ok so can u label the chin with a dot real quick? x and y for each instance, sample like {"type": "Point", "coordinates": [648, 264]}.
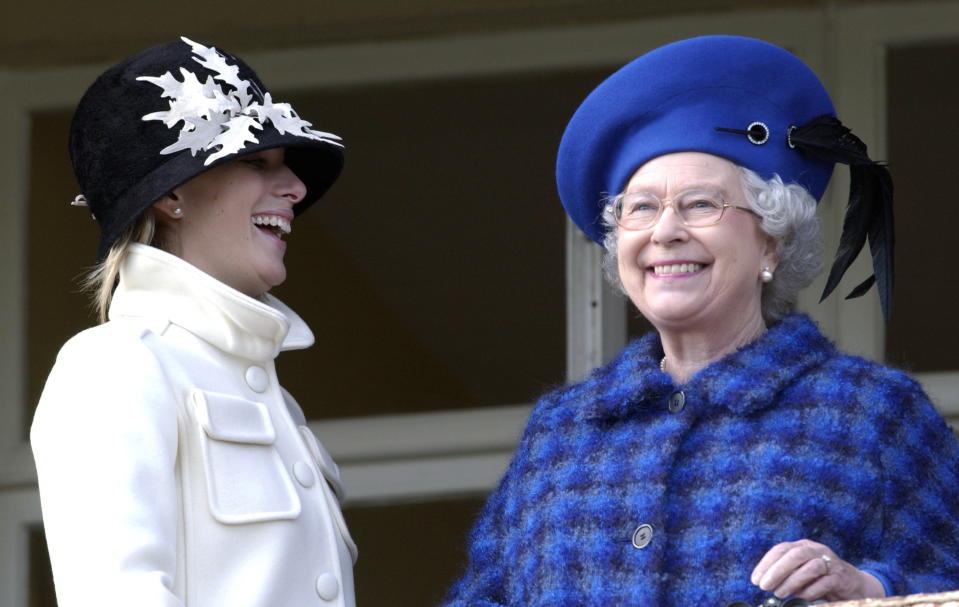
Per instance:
{"type": "Point", "coordinates": [264, 279]}
{"type": "Point", "coordinates": [674, 316]}
{"type": "Point", "coordinates": [673, 305]}
{"type": "Point", "coordinates": [274, 278]}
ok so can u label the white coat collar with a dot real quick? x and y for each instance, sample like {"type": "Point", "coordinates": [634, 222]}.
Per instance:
{"type": "Point", "coordinates": [155, 284]}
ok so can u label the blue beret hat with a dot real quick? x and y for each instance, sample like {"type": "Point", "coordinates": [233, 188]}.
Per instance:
{"type": "Point", "coordinates": [673, 99]}
{"type": "Point", "coordinates": [745, 100]}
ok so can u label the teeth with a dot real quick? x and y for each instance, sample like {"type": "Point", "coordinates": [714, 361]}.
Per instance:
{"type": "Point", "coordinates": [281, 225]}
{"type": "Point", "coordinates": [678, 268]}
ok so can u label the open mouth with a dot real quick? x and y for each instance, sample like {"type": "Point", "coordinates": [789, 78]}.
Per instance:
{"type": "Point", "coordinates": [676, 268]}
{"type": "Point", "coordinates": [279, 226]}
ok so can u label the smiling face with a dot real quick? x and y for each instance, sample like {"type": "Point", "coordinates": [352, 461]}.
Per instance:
{"type": "Point", "coordinates": [684, 278]}
{"type": "Point", "coordinates": [233, 218]}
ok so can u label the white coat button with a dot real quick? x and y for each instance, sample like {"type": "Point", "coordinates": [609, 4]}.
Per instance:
{"type": "Point", "coordinates": [642, 536]}
{"type": "Point", "coordinates": [257, 379]}
{"type": "Point", "coordinates": [304, 474]}
{"type": "Point", "coordinates": [327, 586]}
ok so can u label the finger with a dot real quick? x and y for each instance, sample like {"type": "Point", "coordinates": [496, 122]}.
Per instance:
{"type": "Point", "coordinates": [773, 555]}
{"type": "Point", "coordinates": [806, 575]}
{"type": "Point", "coordinates": [795, 557]}
{"type": "Point", "coordinates": [817, 589]}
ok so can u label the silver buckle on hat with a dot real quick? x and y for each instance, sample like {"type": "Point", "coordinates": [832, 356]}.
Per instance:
{"type": "Point", "coordinates": [757, 132]}
{"type": "Point", "coordinates": [789, 136]}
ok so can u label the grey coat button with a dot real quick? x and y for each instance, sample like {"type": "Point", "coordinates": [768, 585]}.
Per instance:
{"type": "Point", "coordinates": [642, 536]}
{"type": "Point", "coordinates": [677, 402]}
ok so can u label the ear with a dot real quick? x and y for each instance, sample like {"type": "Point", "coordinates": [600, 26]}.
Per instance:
{"type": "Point", "coordinates": [770, 253]}
{"type": "Point", "coordinates": [168, 207]}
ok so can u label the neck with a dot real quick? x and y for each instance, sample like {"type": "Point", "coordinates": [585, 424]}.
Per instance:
{"type": "Point", "coordinates": [688, 351]}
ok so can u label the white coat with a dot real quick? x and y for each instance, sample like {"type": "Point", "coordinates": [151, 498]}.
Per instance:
{"type": "Point", "coordinates": [173, 468]}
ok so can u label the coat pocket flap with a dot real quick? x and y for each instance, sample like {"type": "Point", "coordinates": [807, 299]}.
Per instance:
{"type": "Point", "coordinates": [228, 418]}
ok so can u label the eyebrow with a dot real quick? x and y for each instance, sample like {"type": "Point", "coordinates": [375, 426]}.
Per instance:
{"type": "Point", "coordinates": [696, 188]}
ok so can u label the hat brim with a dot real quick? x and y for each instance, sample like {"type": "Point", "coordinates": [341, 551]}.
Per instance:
{"type": "Point", "coordinates": [316, 163]}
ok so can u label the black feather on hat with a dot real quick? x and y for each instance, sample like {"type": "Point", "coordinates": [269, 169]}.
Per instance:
{"type": "Point", "coordinates": [165, 115]}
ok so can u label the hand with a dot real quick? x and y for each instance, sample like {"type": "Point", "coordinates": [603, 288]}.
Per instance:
{"type": "Point", "coordinates": [812, 571]}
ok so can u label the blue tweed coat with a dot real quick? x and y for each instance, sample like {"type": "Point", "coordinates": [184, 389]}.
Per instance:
{"type": "Point", "coordinates": [784, 439]}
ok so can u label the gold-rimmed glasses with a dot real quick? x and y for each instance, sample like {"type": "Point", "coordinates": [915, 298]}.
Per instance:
{"type": "Point", "coordinates": [696, 209]}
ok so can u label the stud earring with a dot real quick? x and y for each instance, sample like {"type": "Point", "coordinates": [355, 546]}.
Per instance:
{"type": "Point", "coordinates": [178, 211]}
{"type": "Point", "coordinates": [766, 275]}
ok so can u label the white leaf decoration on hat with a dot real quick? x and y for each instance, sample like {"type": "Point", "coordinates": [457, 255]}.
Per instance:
{"type": "Point", "coordinates": [167, 82]}
{"type": "Point", "coordinates": [191, 101]}
{"type": "Point", "coordinates": [214, 118]}
{"type": "Point", "coordinates": [199, 138]}
{"type": "Point", "coordinates": [215, 62]}
{"type": "Point", "coordinates": [286, 120]}
{"type": "Point", "coordinates": [239, 132]}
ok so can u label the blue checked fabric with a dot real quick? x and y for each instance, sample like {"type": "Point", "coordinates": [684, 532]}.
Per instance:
{"type": "Point", "coordinates": [782, 440]}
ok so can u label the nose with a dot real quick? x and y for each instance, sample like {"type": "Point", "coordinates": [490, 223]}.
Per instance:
{"type": "Point", "coordinates": [289, 186]}
{"type": "Point", "coordinates": [669, 227]}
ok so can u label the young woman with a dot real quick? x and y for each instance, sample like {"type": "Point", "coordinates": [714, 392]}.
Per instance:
{"type": "Point", "coordinates": [173, 467]}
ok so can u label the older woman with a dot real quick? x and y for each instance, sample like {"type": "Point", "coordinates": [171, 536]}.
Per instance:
{"type": "Point", "coordinates": [173, 468]}
{"type": "Point", "coordinates": [734, 453]}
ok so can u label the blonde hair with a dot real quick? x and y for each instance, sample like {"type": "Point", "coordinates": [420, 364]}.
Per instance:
{"type": "Point", "coordinates": [102, 279]}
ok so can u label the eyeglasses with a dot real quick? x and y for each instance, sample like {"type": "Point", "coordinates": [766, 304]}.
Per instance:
{"type": "Point", "coordinates": [695, 208]}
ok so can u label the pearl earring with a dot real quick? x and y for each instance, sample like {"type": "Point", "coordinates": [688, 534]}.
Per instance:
{"type": "Point", "coordinates": [766, 275]}
{"type": "Point", "coordinates": [178, 211]}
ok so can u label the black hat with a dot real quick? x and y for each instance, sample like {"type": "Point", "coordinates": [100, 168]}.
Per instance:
{"type": "Point", "coordinates": [165, 115]}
